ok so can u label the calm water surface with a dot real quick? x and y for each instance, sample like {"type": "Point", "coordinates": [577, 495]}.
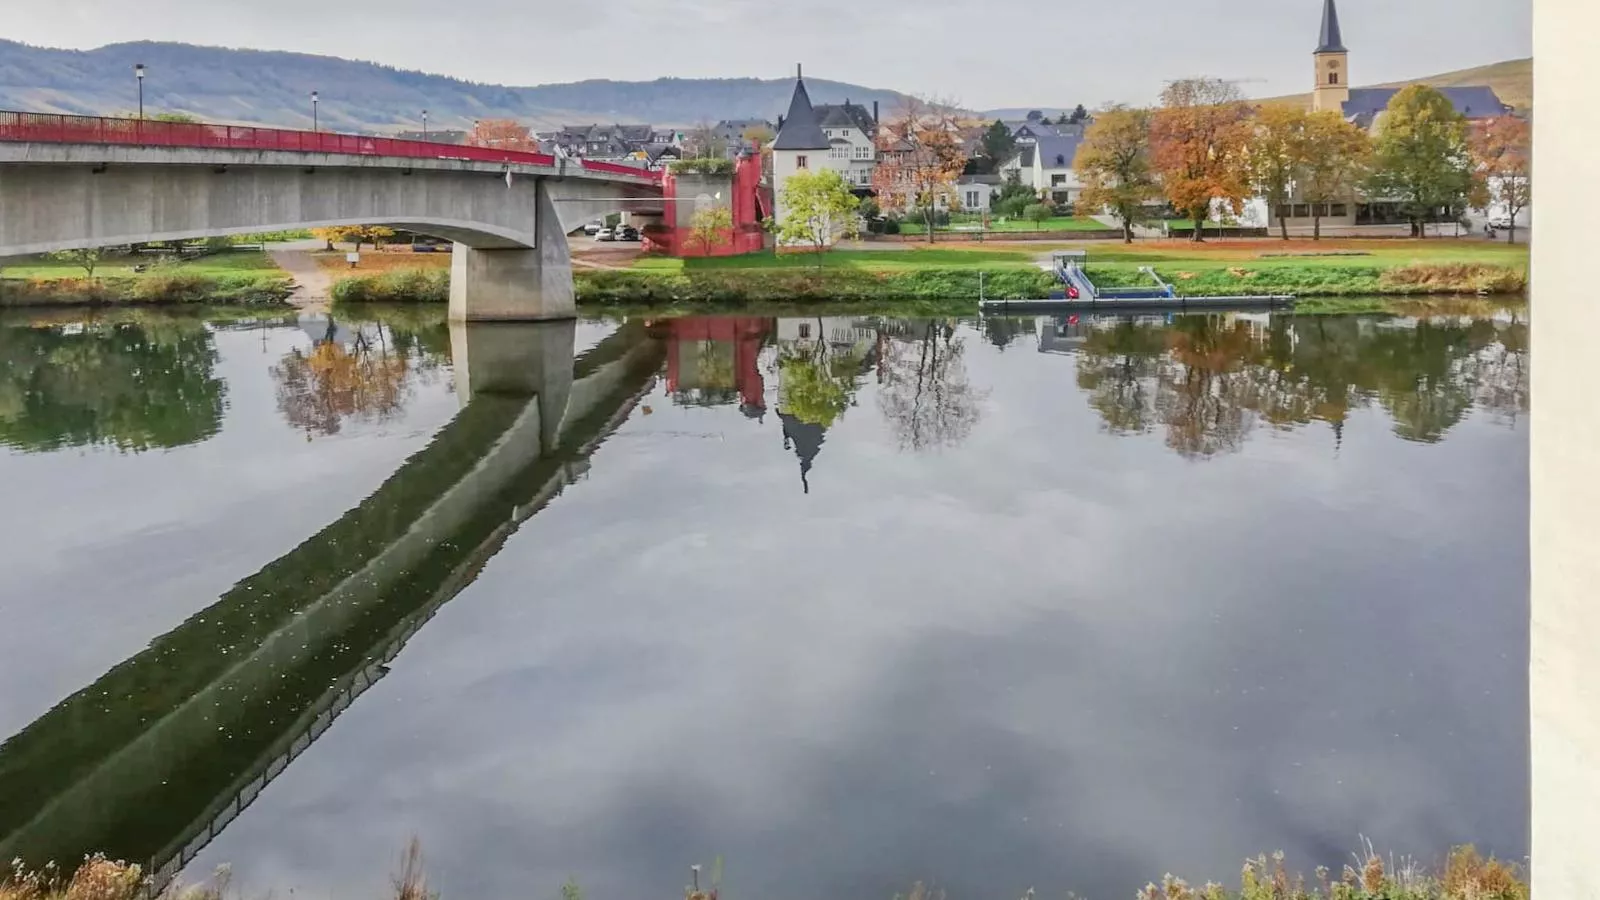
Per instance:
{"type": "Point", "coordinates": [847, 601]}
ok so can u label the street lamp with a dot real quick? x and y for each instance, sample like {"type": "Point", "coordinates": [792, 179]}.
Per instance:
{"type": "Point", "coordinates": [314, 99]}
{"type": "Point", "coordinates": [424, 124]}
{"type": "Point", "coordinates": [138, 74]}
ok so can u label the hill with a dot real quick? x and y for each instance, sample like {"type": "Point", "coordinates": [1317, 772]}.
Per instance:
{"type": "Point", "coordinates": [274, 87]}
{"type": "Point", "coordinates": [1512, 80]}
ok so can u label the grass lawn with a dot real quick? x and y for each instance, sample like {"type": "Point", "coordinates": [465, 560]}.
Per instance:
{"type": "Point", "coordinates": [232, 262]}
{"type": "Point", "coordinates": [863, 260]}
{"type": "Point", "coordinates": [1055, 223]}
{"type": "Point", "coordinates": [1266, 253]}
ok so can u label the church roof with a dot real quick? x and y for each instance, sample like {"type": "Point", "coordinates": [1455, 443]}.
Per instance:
{"type": "Point", "coordinates": [800, 130]}
{"type": "Point", "coordinates": [1472, 101]}
{"type": "Point", "coordinates": [1332, 40]}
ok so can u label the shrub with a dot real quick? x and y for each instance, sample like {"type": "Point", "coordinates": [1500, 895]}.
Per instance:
{"type": "Point", "coordinates": [1038, 212]}
{"type": "Point", "coordinates": [395, 286]}
{"type": "Point", "coordinates": [705, 165]}
{"type": "Point", "coordinates": [891, 226]}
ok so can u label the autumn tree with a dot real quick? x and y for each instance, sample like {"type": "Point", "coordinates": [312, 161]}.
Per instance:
{"type": "Point", "coordinates": [502, 134]}
{"type": "Point", "coordinates": [354, 234]}
{"type": "Point", "coordinates": [703, 141]}
{"type": "Point", "coordinates": [1113, 162]}
{"type": "Point", "coordinates": [1198, 141]}
{"type": "Point", "coordinates": [710, 226]}
{"type": "Point", "coordinates": [1502, 148]}
{"type": "Point", "coordinates": [1421, 158]}
{"type": "Point", "coordinates": [817, 205]}
{"type": "Point", "coordinates": [1335, 159]}
{"type": "Point", "coordinates": [1277, 155]}
{"type": "Point", "coordinates": [757, 136]}
{"type": "Point", "coordinates": [920, 158]}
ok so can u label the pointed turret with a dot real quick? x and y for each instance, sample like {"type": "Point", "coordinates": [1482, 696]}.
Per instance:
{"type": "Point", "coordinates": [1332, 41]}
{"type": "Point", "coordinates": [800, 130]}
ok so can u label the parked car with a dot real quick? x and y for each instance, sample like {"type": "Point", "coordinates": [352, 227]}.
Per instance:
{"type": "Point", "coordinates": [605, 234]}
{"type": "Point", "coordinates": [628, 233]}
{"type": "Point", "coordinates": [1501, 222]}
{"type": "Point", "coordinates": [592, 229]}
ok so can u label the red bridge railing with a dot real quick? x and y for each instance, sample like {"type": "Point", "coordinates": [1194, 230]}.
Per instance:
{"type": "Point", "coordinates": [50, 128]}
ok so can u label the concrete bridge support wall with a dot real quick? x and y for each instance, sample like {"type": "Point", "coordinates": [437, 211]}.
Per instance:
{"type": "Point", "coordinates": [515, 284]}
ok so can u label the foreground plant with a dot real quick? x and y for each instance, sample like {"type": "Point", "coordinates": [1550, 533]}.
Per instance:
{"type": "Point", "coordinates": [1466, 876]}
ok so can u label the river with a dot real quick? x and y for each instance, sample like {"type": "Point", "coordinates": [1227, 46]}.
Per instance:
{"type": "Point", "coordinates": [846, 602]}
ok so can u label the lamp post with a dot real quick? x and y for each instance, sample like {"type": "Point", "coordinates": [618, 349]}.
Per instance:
{"type": "Point", "coordinates": [138, 75]}
{"type": "Point", "coordinates": [314, 99]}
{"type": "Point", "coordinates": [424, 124]}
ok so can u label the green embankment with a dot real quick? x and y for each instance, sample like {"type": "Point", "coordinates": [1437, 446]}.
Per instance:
{"type": "Point", "coordinates": [244, 277]}
{"type": "Point", "coordinates": [1320, 275]}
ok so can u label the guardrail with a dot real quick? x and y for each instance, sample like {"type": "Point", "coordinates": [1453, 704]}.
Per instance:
{"type": "Point", "coordinates": [51, 128]}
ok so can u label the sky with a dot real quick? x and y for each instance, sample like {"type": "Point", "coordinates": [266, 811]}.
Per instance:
{"type": "Point", "coordinates": [997, 53]}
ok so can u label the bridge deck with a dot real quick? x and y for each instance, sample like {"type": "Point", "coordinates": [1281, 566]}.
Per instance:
{"type": "Point", "coordinates": [49, 128]}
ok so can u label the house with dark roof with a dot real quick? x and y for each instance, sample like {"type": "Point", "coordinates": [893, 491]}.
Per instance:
{"type": "Point", "coordinates": [1046, 166]}
{"type": "Point", "coordinates": [838, 137]}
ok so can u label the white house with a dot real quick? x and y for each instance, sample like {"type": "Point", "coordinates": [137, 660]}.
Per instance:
{"type": "Point", "coordinates": [840, 138]}
{"type": "Point", "coordinates": [1046, 166]}
{"type": "Point", "coordinates": [975, 193]}
{"type": "Point", "coordinates": [852, 139]}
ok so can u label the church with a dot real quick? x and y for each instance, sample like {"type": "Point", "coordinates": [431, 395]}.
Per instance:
{"type": "Point", "coordinates": [1363, 107]}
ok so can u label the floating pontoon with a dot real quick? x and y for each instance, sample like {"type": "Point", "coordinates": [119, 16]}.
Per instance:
{"type": "Point", "coordinates": [1080, 293]}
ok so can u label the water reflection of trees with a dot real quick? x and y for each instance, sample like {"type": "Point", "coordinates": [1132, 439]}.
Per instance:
{"type": "Point", "coordinates": [923, 389]}
{"type": "Point", "coordinates": [1209, 379]}
{"type": "Point", "coordinates": [134, 386]}
{"type": "Point", "coordinates": [367, 374]}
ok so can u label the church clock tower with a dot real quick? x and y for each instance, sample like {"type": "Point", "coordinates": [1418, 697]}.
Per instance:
{"type": "Point", "coordinates": [1332, 64]}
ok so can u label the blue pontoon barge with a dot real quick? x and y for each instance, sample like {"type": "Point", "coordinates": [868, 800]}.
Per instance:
{"type": "Point", "coordinates": [1079, 293]}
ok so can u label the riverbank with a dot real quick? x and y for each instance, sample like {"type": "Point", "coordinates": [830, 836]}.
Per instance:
{"type": "Point", "coordinates": [232, 277]}
{"type": "Point", "coordinates": [1329, 276]}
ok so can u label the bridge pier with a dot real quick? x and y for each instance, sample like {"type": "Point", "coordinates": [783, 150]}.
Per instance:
{"type": "Point", "coordinates": [517, 360]}
{"type": "Point", "coordinates": [516, 284]}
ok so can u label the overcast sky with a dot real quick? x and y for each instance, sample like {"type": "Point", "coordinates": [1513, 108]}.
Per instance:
{"type": "Point", "coordinates": [994, 53]}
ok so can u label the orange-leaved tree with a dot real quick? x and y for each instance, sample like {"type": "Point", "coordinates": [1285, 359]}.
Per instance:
{"type": "Point", "coordinates": [1277, 156]}
{"type": "Point", "coordinates": [1113, 162]}
{"type": "Point", "coordinates": [919, 158]}
{"type": "Point", "coordinates": [502, 134]}
{"type": "Point", "coordinates": [1198, 141]}
{"type": "Point", "coordinates": [1503, 150]}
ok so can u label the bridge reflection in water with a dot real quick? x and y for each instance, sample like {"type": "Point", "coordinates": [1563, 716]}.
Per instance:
{"type": "Point", "coordinates": [156, 757]}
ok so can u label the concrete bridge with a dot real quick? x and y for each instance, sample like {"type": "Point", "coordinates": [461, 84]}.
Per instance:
{"type": "Point", "coordinates": [151, 761]}
{"type": "Point", "coordinates": [69, 182]}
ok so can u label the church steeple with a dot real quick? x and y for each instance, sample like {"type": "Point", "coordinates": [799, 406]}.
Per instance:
{"type": "Point", "coordinates": [1332, 41]}
{"type": "Point", "coordinates": [1332, 87]}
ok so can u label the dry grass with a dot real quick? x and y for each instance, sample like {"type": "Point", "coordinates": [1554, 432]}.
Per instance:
{"type": "Point", "coordinates": [1441, 278]}
{"type": "Point", "coordinates": [382, 261]}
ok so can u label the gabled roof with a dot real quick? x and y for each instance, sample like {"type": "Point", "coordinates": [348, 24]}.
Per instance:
{"type": "Point", "coordinates": [1472, 101]}
{"type": "Point", "coordinates": [845, 115]}
{"type": "Point", "coordinates": [800, 130]}
{"type": "Point", "coordinates": [1331, 41]}
{"type": "Point", "coordinates": [1057, 152]}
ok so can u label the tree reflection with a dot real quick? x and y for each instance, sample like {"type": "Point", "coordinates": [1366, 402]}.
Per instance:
{"type": "Point", "coordinates": [923, 389]}
{"type": "Point", "coordinates": [367, 376]}
{"type": "Point", "coordinates": [134, 386]}
{"type": "Point", "coordinates": [1210, 379]}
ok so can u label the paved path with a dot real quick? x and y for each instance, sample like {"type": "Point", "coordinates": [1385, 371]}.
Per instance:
{"type": "Point", "coordinates": [313, 284]}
